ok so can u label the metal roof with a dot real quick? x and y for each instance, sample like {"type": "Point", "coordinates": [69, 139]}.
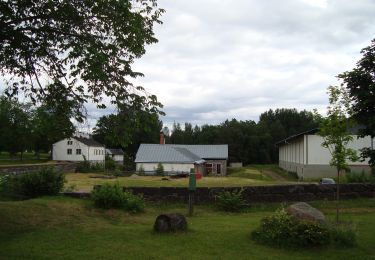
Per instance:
{"type": "Point", "coordinates": [114, 151]}
{"type": "Point", "coordinates": [180, 153]}
{"type": "Point", "coordinates": [352, 130]}
{"type": "Point", "coordinates": [88, 142]}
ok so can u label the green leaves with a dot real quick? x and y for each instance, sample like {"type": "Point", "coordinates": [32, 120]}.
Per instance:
{"type": "Point", "coordinates": [83, 48]}
{"type": "Point", "coordinates": [334, 128]}
{"type": "Point", "coordinates": [360, 83]}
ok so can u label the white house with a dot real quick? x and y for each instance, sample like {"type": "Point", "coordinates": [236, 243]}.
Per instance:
{"type": "Point", "coordinates": [116, 154]}
{"type": "Point", "coordinates": [78, 148]}
{"type": "Point", "coordinates": [180, 158]}
{"type": "Point", "coordinates": [303, 154]}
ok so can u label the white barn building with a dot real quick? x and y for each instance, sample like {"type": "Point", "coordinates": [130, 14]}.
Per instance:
{"type": "Point", "coordinates": [180, 158]}
{"type": "Point", "coordinates": [77, 149]}
{"type": "Point", "coordinates": [304, 154]}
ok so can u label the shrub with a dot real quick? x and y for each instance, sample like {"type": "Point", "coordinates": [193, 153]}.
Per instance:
{"type": "Point", "coordinates": [141, 170]}
{"type": "Point", "coordinates": [112, 196]}
{"type": "Point", "coordinates": [357, 177]}
{"type": "Point", "coordinates": [45, 182]}
{"type": "Point", "coordinates": [232, 201]}
{"type": "Point", "coordinates": [282, 230]}
{"type": "Point", "coordinates": [110, 164]}
{"type": "Point", "coordinates": [160, 169]}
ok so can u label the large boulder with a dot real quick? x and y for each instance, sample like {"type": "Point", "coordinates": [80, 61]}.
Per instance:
{"type": "Point", "coordinates": [170, 223]}
{"type": "Point", "coordinates": [303, 211]}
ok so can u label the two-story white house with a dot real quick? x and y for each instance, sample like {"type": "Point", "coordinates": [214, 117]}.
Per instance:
{"type": "Point", "coordinates": [78, 149]}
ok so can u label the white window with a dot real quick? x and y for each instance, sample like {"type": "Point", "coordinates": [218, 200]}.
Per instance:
{"type": "Point", "coordinates": [69, 151]}
{"type": "Point", "coordinates": [78, 151]}
{"type": "Point", "coordinates": [70, 142]}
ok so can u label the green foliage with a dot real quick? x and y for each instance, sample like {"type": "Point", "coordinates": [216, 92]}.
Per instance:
{"type": "Point", "coordinates": [141, 170]}
{"type": "Point", "coordinates": [87, 167]}
{"type": "Point", "coordinates": [281, 230]}
{"type": "Point", "coordinates": [15, 126]}
{"type": "Point", "coordinates": [112, 196]}
{"type": "Point", "coordinates": [127, 129]}
{"type": "Point", "coordinates": [360, 83]}
{"type": "Point", "coordinates": [30, 185]}
{"type": "Point", "coordinates": [249, 142]}
{"type": "Point", "coordinates": [100, 41]}
{"type": "Point", "coordinates": [110, 164]}
{"type": "Point", "coordinates": [159, 169]}
{"type": "Point", "coordinates": [334, 129]}
{"type": "Point", "coordinates": [231, 201]}
{"type": "Point", "coordinates": [356, 177]}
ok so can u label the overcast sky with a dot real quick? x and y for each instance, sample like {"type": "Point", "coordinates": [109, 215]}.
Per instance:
{"type": "Point", "coordinates": [220, 59]}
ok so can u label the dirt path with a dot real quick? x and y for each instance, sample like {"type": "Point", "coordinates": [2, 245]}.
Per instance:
{"type": "Point", "coordinates": [274, 175]}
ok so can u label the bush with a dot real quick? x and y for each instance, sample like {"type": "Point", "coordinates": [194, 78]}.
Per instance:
{"type": "Point", "coordinates": [112, 196]}
{"type": "Point", "coordinates": [357, 177]}
{"type": "Point", "coordinates": [231, 201]}
{"type": "Point", "coordinates": [160, 169]}
{"type": "Point", "coordinates": [86, 167]}
{"type": "Point", "coordinates": [45, 182]}
{"type": "Point", "coordinates": [283, 230]}
{"type": "Point", "coordinates": [141, 170]}
{"type": "Point", "coordinates": [110, 164]}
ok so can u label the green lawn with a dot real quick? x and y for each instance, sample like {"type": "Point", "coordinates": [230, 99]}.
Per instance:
{"type": "Point", "coordinates": [27, 158]}
{"type": "Point", "coordinates": [83, 182]}
{"type": "Point", "coordinates": [65, 228]}
{"type": "Point", "coordinates": [238, 177]}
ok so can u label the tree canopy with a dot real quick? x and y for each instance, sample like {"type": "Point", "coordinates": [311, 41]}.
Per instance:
{"type": "Point", "coordinates": [81, 49]}
{"type": "Point", "coordinates": [360, 83]}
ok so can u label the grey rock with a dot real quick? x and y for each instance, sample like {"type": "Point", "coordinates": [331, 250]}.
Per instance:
{"type": "Point", "coordinates": [172, 222]}
{"type": "Point", "coordinates": [304, 211]}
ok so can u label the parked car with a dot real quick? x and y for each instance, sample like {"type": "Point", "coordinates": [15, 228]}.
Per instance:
{"type": "Point", "coordinates": [327, 181]}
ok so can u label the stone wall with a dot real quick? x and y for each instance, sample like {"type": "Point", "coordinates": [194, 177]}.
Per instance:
{"type": "Point", "coordinates": [272, 193]}
{"type": "Point", "coordinates": [21, 169]}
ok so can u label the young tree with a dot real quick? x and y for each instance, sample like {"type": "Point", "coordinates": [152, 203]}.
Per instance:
{"type": "Point", "coordinates": [81, 49]}
{"type": "Point", "coordinates": [334, 130]}
{"type": "Point", "coordinates": [360, 83]}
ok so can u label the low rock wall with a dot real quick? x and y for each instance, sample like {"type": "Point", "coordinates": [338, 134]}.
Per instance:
{"type": "Point", "coordinates": [274, 193]}
{"type": "Point", "coordinates": [21, 169]}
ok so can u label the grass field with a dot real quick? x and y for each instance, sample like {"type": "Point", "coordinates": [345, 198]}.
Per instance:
{"type": "Point", "coordinates": [27, 158]}
{"type": "Point", "coordinates": [65, 228]}
{"type": "Point", "coordinates": [83, 182]}
{"type": "Point", "coordinates": [239, 177]}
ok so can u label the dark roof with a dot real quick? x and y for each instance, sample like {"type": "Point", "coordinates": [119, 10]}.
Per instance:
{"type": "Point", "coordinates": [180, 153]}
{"type": "Point", "coordinates": [88, 142]}
{"type": "Point", "coordinates": [353, 130]}
{"type": "Point", "coordinates": [114, 151]}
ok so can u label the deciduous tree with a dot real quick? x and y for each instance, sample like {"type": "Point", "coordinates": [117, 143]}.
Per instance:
{"type": "Point", "coordinates": [360, 83]}
{"type": "Point", "coordinates": [82, 49]}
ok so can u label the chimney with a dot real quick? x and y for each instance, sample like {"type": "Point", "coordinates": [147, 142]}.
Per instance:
{"type": "Point", "coordinates": [162, 138]}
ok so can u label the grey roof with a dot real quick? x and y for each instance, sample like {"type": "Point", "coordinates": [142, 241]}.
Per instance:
{"type": "Point", "coordinates": [114, 151]}
{"type": "Point", "coordinates": [88, 142]}
{"type": "Point", "coordinates": [180, 153]}
{"type": "Point", "coordinates": [352, 130]}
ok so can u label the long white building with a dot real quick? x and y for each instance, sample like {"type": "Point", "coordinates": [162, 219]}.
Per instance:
{"type": "Point", "coordinates": [304, 154]}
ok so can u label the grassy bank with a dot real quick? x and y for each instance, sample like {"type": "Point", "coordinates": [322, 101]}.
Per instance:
{"type": "Point", "coordinates": [83, 182]}
{"type": "Point", "coordinates": [64, 228]}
